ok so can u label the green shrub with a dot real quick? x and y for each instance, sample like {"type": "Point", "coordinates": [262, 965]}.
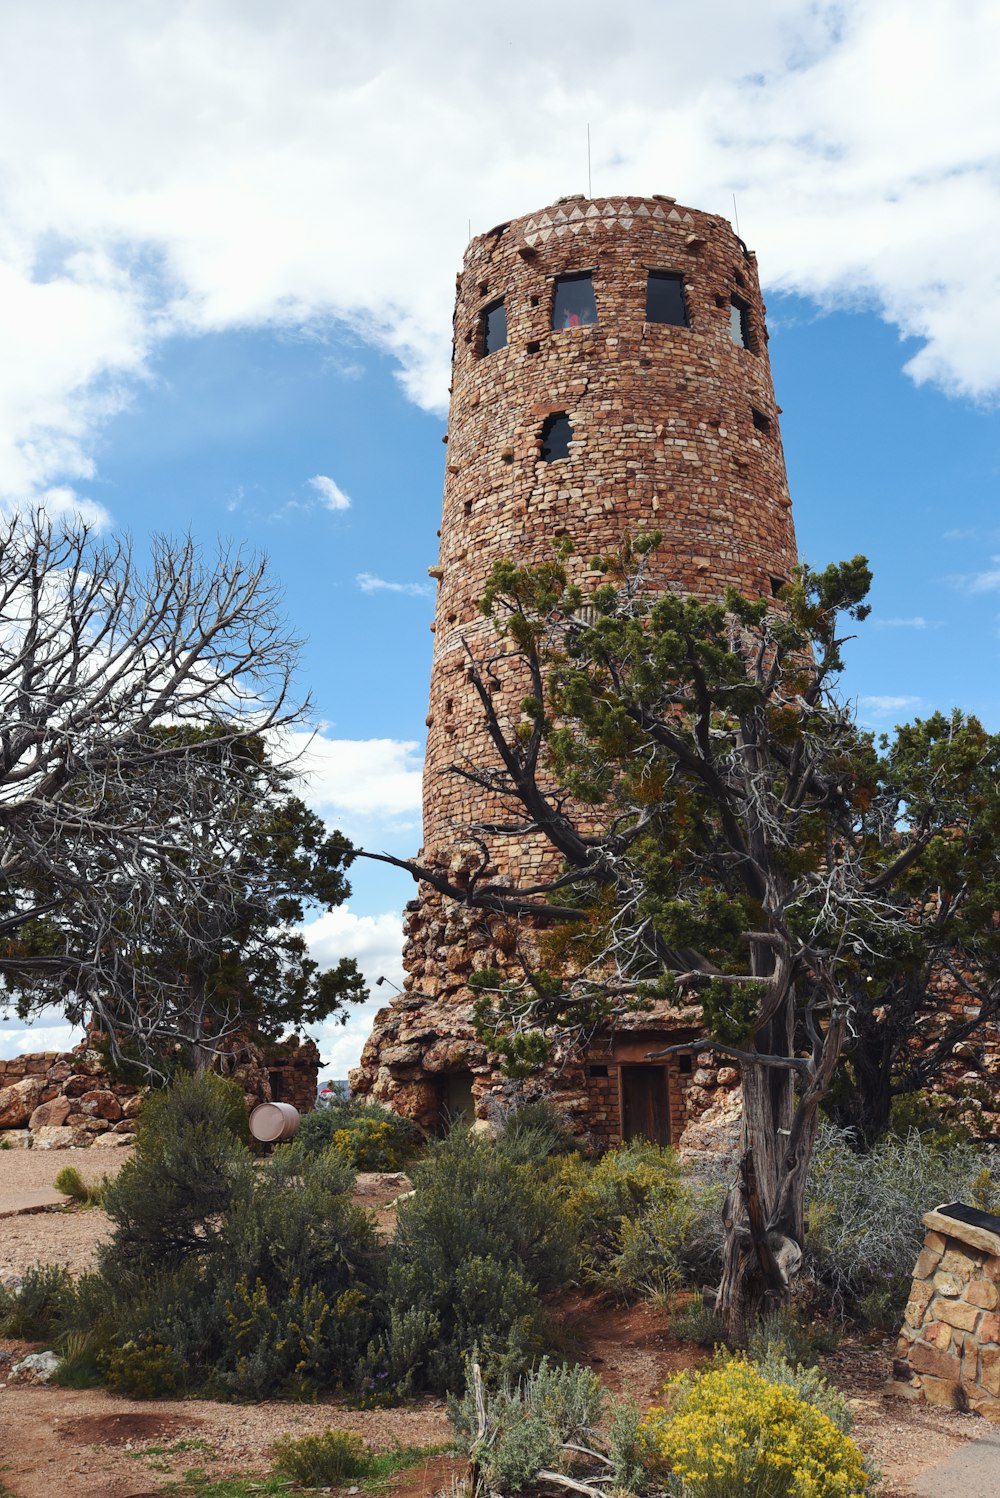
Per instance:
{"type": "Point", "coordinates": [632, 1211]}
{"type": "Point", "coordinates": [865, 1211]}
{"type": "Point", "coordinates": [808, 1383]}
{"type": "Point", "coordinates": [367, 1136]}
{"type": "Point", "coordinates": [730, 1433]}
{"type": "Point", "coordinates": [694, 1321]}
{"type": "Point", "coordinates": [81, 1365]}
{"type": "Point", "coordinates": [785, 1335]}
{"type": "Point", "coordinates": [71, 1183]}
{"type": "Point", "coordinates": [629, 1447]}
{"type": "Point", "coordinates": [325, 1461]}
{"type": "Point", "coordinates": [476, 1246]}
{"type": "Point", "coordinates": [147, 1370]}
{"type": "Point", "coordinates": [527, 1423]}
{"type": "Point", "coordinates": [168, 1201]}
{"type": "Point", "coordinates": [37, 1309]}
{"type": "Point", "coordinates": [534, 1132]}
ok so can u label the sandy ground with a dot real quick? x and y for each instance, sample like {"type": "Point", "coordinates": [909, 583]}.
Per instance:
{"type": "Point", "coordinates": [90, 1444]}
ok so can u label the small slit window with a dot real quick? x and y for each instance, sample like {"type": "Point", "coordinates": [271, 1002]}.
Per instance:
{"type": "Point", "coordinates": [494, 319]}
{"type": "Point", "coordinates": [665, 299]}
{"type": "Point", "coordinates": [573, 304]}
{"type": "Point", "coordinates": [684, 1064]}
{"type": "Point", "coordinates": [557, 434]}
{"type": "Point", "coordinates": [739, 321]}
{"type": "Point", "coordinates": [598, 1071]}
{"type": "Point", "coordinates": [777, 583]}
{"type": "Point", "coordinates": [760, 421]}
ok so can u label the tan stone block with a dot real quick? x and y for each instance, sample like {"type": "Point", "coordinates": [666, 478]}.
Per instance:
{"type": "Point", "coordinates": [989, 1369]}
{"type": "Point", "coordinates": [937, 1333]}
{"type": "Point", "coordinates": [50, 1115]}
{"type": "Point", "coordinates": [920, 1298]}
{"type": "Point", "coordinates": [970, 1363]}
{"type": "Point", "coordinates": [983, 1293]}
{"type": "Point", "coordinates": [960, 1262]}
{"type": "Point", "coordinates": [926, 1359]}
{"type": "Point", "coordinates": [943, 1391]}
{"type": "Point", "coordinates": [935, 1241]}
{"type": "Point", "coordinates": [989, 1327]}
{"type": "Point", "coordinates": [927, 1262]}
{"type": "Point", "coordinates": [948, 1284]}
{"type": "Point", "coordinates": [983, 1405]}
{"type": "Point", "coordinates": [956, 1313]}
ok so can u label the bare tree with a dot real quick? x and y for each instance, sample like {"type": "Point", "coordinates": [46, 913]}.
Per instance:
{"type": "Point", "coordinates": [722, 828]}
{"type": "Point", "coordinates": [135, 703]}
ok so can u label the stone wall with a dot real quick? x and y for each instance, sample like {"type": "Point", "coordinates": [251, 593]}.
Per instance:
{"type": "Point", "coordinates": [51, 1100]}
{"type": "Point", "coordinates": [674, 428]}
{"type": "Point", "coordinates": [949, 1348]}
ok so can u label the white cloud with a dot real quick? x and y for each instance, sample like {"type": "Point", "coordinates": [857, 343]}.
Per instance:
{"type": "Point", "coordinates": [883, 707]}
{"type": "Point", "coordinates": [376, 944]}
{"type": "Point", "coordinates": [370, 584]}
{"type": "Point", "coordinates": [916, 622]}
{"type": "Point", "coordinates": [203, 168]}
{"type": "Point", "coordinates": [987, 581]}
{"type": "Point", "coordinates": [330, 493]}
{"type": "Point", "coordinates": [49, 1032]}
{"type": "Point", "coordinates": [359, 777]}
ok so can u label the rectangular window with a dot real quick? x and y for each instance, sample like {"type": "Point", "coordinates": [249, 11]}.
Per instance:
{"type": "Point", "coordinates": [494, 327]}
{"type": "Point", "coordinates": [598, 1071]}
{"type": "Point", "coordinates": [573, 305]}
{"type": "Point", "coordinates": [760, 421]}
{"type": "Point", "coordinates": [739, 322]}
{"type": "Point", "coordinates": [665, 298]}
{"type": "Point", "coordinates": [557, 434]}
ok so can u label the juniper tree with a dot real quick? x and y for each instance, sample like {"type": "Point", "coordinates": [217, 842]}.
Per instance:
{"type": "Point", "coordinates": [723, 829]}
{"type": "Point", "coordinates": [152, 858]}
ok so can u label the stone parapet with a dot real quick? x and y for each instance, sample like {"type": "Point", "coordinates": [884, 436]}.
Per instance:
{"type": "Point", "coordinates": [949, 1348]}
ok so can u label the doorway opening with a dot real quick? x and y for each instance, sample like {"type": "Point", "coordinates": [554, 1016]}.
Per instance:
{"type": "Point", "coordinates": [645, 1104]}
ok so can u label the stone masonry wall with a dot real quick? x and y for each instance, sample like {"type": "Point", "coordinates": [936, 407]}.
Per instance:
{"type": "Point", "coordinates": [674, 428]}
{"type": "Point", "coordinates": [949, 1348]}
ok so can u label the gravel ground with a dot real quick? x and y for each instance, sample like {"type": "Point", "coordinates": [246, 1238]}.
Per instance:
{"type": "Point", "coordinates": [69, 1237]}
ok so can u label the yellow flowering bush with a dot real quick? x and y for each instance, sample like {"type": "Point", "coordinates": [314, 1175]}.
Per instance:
{"type": "Point", "coordinates": [729, 1433]}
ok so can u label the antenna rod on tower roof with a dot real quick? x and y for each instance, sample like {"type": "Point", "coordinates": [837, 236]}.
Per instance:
{"type": "Point", "coordinates": [736, 216]}
{"type": "Point", "coordinates": [590, 185]}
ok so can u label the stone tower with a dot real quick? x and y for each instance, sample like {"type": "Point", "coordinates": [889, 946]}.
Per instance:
{"type": "Point", "coordinates": [610, 374]}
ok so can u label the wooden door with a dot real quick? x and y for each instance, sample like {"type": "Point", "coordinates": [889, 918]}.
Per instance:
{"type": "Point", "coordinates": [645, 1107]}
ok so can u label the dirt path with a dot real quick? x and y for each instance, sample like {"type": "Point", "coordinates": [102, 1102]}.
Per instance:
{"type": "Point", "coordinates": [84, 1443]}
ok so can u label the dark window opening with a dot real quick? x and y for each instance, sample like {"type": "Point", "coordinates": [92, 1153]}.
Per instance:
{"type": "Point", "coordinates": [720, 301]}
{"type": "Point", "coordinates": [597, 1071]}
{"type": "Point", "coordinates": [573, 305]}
{"type": "Point", "coordinates": [777, 583]}
{"type": "Point", "coordinates": [533, 347]}
{"type": "Point", "coordinates": [277, 1082]}
{"type": "Point", "coordinates": [760, 421]}
{"type": "Point", "coordinates": [484, 287]}
{"type": "Point", "coordinates": [738, 278]}
{"type": "Point", "coordinates": [456, 1097]}
{"type": "Point", "coordinates": [557, 434]}
{"type": "Point", "coordinates": [665, 299]}
{"type": "Point", "coordinates": [467, 506]}
{"type": "Point", "coordinates": [739, 322]}
{"type": "Point", "coordinates": [684, 1063]}
{"type": "Point", "coordinates": [494, 318]}
{"type": "Point", "coordinates": [533, 301]}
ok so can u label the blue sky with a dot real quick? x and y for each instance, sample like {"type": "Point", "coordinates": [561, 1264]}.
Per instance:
{"type": "Point", "coordinates": [227, 256]}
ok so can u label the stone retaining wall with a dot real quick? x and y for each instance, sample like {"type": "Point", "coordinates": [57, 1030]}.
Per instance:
{"type": "Point", "coordinates": [949, 1348]}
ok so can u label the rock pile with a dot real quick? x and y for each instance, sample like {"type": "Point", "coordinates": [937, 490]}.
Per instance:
{"type": "Point", "coordinates": [49, 1100]}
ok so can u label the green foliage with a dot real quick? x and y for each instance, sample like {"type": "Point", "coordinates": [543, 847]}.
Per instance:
{"type": "Point", "coordinates": [865, 1214]}
{"type": "Point", "coordinates": [147, 1370]}
{"type": "Point", "coordinates": [81, 1364]}
{"type": "Point", "coordinates": [36, 1310]}
{"type": "Point", "coordinates": [332, 1459]}
{"type": "Point", "coordinates": [71, 1183]}
{"type": "Point", "coordinates": [476, 1247]}
{"type": "Point", "coordinates": [528, 1422]}
{"type": "Point", "coordinates": [785, 1336]}
{"type": "Point", "coordinates": [168, 1201]}
{"type": "Point", "coordinates": [731, 1433]}
{"type": "Point", "coordinates": [918, 1113]}
{"type": "Point", "coordinates": [629, 1446]}
{"type": "Point", "coordinates": [694, 1321]}
{"type": "Point", "coordinates": [534, 1132]}
{"type": "Point", "coordinates": [632, 1212]}
{"type": "Point", "coordinates": [366, 1136]}
{"type": "Point", "coordinates": [807, 1382]}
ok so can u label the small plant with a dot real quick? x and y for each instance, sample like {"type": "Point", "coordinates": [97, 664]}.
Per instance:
{"type": "Point", "coordinates": [534, 1132]}
{"type": "Point", "coordinates": [366, 1136]}
{"type": "Point", "coordinates": [37, 1309]}
{"type": "Point", "coordinates": [784, 1335]}
{"type": "Point", "coordinates": [81, 1366]}
{"type": "Point", "coordinates": [327, 1460]}
{"type": "Point", "coordinates": [147, 1371]}
{"type": "Point", "coordinates": [809, 1384]}
{"type": "Point", "coordinates": [71, 1183]}
{"type": "Point", "coordinates": [730, 1433]}
{"type": "Point", "coordinates": [518, 1430]}
{"type": "Point", "coordinates": [696, 1322]}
